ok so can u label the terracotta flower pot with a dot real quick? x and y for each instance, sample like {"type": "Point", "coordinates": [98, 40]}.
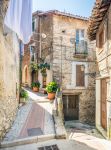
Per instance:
{"type": "Point", "coordinates": [51, 96]}
{"type": "Point", "coordinates": [35, 89]}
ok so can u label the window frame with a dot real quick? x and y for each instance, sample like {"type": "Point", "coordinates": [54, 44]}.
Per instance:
{"type": "Point", "coordinates": [32, 53]}
{"type": "Point", "coordinates": [73, 78]}
{"type": "Point", "coordinates": [82, 83]}
{"type": "Point", "coordinates": [34, 27]}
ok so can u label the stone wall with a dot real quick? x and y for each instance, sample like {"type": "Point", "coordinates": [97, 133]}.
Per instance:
{"type": "Point", "coordinates": [9, 76]}
{"type": "Point", "coordinates": [64, 62]}
{"type": "Point", "coordinates": [104, 69]}
{"type": "Point", "coordinates": [26, 66]}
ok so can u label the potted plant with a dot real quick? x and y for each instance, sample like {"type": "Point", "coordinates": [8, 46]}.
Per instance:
{"type": "Point", "coordinates": [34, 66]}
{"type": "Point", "coordinates": [43, 67]}
{"type": "Point", "coordinates": [35, 86]}
{"type": "Point", "coordinates": [51, 89]}
{"type": "Point", "coordinates": [23, 96]}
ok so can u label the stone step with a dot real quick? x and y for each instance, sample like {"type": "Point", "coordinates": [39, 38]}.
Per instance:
{"type": "Point", "coordinates": [42, 90]}
{"type": "Point", "coordinates": [29, 140]}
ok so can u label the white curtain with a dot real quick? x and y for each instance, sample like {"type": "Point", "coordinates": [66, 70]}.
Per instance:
{"type": "Point", "coordinates": [19, 18]}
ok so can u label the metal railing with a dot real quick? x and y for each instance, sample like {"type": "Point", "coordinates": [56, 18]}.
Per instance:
{"type": "Point", "coordinates": [81, 48]}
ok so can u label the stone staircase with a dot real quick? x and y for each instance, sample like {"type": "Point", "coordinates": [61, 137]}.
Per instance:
{"type": "Point", "coordinates": [42, 90]}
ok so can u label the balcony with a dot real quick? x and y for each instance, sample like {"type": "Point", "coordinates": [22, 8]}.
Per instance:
{"type": "Point", "coordinates": [81, 49]}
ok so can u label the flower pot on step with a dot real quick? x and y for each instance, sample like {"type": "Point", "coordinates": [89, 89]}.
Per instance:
{"type": "Point", "coordinates": [51, 96]}
{"type": "Point", "coordinates": [35, 89]}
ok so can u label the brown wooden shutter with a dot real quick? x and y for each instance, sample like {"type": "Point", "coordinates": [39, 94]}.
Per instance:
{"type": "Point", "coordinates": [101, 39]}
{"type": "Point", "coordinates": [79, 76]}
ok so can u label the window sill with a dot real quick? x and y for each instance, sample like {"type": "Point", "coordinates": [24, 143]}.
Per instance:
{"type": "Point", "coordinates": [80, 87]}
{"type": "Point", "coordinates": [82, 55]}
{"type": "Point", "coordinates": [75, 87]}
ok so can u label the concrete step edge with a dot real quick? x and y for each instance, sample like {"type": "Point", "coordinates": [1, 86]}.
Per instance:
{"type": "Point", "coordinates": [28, 140]}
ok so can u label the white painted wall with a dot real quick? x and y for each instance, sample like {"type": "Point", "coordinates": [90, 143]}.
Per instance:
{"type": "Point", "coordinates": [98, 109]}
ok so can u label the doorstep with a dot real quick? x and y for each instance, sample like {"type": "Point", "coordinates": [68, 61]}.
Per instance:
{"type": "Point", "coordinates": [102, 131]}
{"type": "Point", "coordinates": [29, 140]}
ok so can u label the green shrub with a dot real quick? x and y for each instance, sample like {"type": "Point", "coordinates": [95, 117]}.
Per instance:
{"type": "Point", "coordinates": [34, 66]}
{"type": "Point", "coordinates": [23, 94]}
{"type": "Point", "coordinates": [52, 87]}
{"type": "Point", "coordinates": [35, 84]}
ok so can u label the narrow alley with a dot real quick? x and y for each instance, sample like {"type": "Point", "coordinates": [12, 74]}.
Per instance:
{"type": "Point", "coordinates": [33, 119]}
{"type": "Point", "coordinates": [34, 124]}
{"type": "Point", "coordinates": [55, 75]}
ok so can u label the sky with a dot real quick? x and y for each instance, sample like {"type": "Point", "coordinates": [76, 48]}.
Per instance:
{"type": "Point", "coordinates": [76, 7]}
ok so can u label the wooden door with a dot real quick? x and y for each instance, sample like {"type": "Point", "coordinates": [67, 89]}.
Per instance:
{"type": "Point", "coordinates": [44, 81]}
{"type": "Point", "coordinates": [71, 107]}
{"type": "Point", "coordinates": [104, 103]}
{"type": "Point", "coordinates": [80, 78]}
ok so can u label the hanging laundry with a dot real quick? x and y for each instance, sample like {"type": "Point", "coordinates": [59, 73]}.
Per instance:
{"type": "Point", "coordinates": [19, 18]}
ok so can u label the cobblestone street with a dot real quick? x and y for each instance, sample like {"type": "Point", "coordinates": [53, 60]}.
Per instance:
{"type": "Point", "coordinates": [33, 119]}
{"type": "Point", "coordinates": [37, 114]}
{"type": "Point", "coordinates": [79, 143]}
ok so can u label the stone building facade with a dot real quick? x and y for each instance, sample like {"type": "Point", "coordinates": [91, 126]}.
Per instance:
{"type": "Point", "coordinates": [71, 57]}
{"type": "Point", "coordinates": [100, 30]}
{"type": "Point", "coordinates": [9, 74]}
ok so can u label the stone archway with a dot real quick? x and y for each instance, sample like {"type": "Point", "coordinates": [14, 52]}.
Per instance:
{"type": "Point", "coordinates": [25, 75]}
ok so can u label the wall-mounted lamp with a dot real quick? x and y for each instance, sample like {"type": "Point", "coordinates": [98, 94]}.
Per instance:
{"type": "Point", "coordinates": [82, 68]}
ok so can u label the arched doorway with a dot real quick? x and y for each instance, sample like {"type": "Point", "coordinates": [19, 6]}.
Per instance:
{"type": "Point", "coordinates": [25, 75]}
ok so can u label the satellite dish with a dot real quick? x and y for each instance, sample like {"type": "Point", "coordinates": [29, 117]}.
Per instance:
{"type": "Point", "coordinates": [43, 35]}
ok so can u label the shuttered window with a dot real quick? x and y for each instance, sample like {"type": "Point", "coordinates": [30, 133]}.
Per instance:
{"type": "Point", "coordinates": [101, 39]}
{"type": "Point", "coordinates": [80, 78]}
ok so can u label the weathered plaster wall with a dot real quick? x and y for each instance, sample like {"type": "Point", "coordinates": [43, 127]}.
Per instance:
{"type": "Point", "coordinates": [9, 78]}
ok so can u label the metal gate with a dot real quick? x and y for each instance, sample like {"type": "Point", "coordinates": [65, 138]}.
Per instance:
{"type": "Point", "coordinates": [104, 103]}
{"type": "Point", "coordinates": [71, 107]}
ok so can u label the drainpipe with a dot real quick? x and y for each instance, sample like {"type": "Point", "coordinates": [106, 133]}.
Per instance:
{"type": "Point", "coordinates": [61, 38]}
{"type": "Point", "coordinates": [20, 68]}
{"type": "Point", "coordinates": [40, 36]}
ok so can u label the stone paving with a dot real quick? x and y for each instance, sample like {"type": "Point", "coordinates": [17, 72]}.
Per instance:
{"type": "Point", "coordinates": [77, 127]}
{"type": "Point", "coordinates": [78, 143]}
{"type": "Point", "coordinates": [37, 113]}
{"type": "Point", "coordinates": [19, 122]}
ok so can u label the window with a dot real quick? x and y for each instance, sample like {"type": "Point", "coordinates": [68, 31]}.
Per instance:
{"type": "Point", "coordinates": [33, 25]}
{"type": "Point", "coordinates": [79, 35]}
{"type": "Point", "coordinates": [32, 53]}
{"type": "Point", "coordinates": [80, 76]}
{"type": "Point", "coordinates": [81, 44]}
{"type": "Point", "coordinates": [101, 39]}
